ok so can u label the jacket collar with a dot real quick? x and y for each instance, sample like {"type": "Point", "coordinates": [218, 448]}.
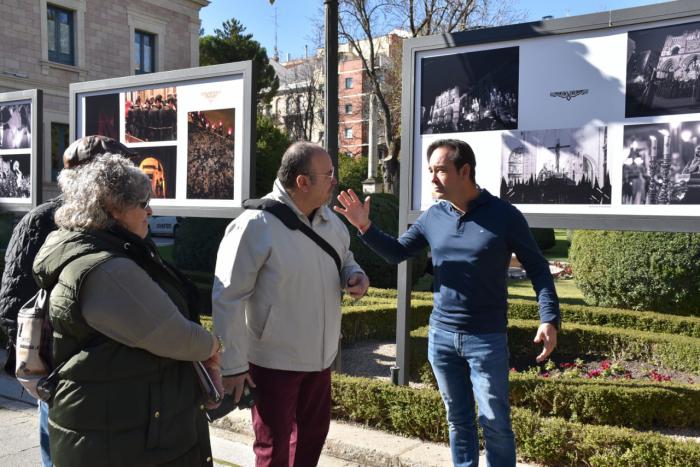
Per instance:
{"type": "Point", "coordinates": [279, 193]}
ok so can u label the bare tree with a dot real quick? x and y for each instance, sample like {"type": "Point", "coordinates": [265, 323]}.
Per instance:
{"type": "Point", "coordinates": [362, 22]}
{"type": "Point", "coordinates": [302, 97]}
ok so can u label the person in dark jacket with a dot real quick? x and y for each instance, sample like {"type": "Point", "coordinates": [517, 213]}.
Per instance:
{"type": "Point", "coordinates": [18, 284]}
{"type": "Point", "coordinates": [126, 330]}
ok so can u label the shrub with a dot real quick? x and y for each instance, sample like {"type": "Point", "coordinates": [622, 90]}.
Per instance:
{"type": "Point", "coordinates": [385, 214]}
{"type": "Point", "coordinates": [270, 144]}
{"type": "Point", "coordinates": [197, 242]}
{"type": "Point", "coordinates": [550, 441]}
{"type": "Point", "coordinates": [378, 321]}
{"type": "Point", "coordinates": [612, 317]}
{"type": "Point", "coordinates": [639, 270]}
{"type": "Point", "coordinates": [544, 237]}
{"type": "Point", "coordinates": [633, 404]}
{"type": "Point", "coordinates": [351, 172]}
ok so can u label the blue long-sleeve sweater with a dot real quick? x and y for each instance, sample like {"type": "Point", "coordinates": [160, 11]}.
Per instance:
{"type": "Point", "coordinates": [471, 253]}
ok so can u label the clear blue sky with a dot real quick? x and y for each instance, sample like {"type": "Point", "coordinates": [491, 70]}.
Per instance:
{"type": "Point", "coordinates": [295, 18]}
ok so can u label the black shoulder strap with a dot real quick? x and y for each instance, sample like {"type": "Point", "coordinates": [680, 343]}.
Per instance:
{"type": "Point", "coordinates": [292, 221]}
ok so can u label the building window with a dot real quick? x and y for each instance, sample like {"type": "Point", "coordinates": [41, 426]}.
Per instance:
{"type": "Point", "coordinates": [59, 143]}
{"type": "Point", "coordinates": [348, 133]}
{"type": "Point", "coordinates": [348, 108]}
{"type": "Point", "coordinates": [145, 52]}
{"type": "Point", "coordinates": [348, 83]}
{"type": "Point", "coordinates": [60, 35]}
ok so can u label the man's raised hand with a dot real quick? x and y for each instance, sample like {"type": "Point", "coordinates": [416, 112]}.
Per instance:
{"type": "Point", "coordinates": [353, 209]}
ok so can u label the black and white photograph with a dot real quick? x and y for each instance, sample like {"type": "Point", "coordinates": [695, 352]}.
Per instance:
{"type": "Point", "coordinates": [557, 166]}
{"type": "Point", "coordinates": [661, 163]}
{"type": "Point", "coordinates": [102, 115]}
{"type": "Point", "coordinates": [473, 91]}
{"type": "Point", "coordinates": [150, 115]}
{"type": "Point", "coordinates": [15, 126]}
{"type": "Point", "coordinates": [15, 176]}
{"type": "Point", "coordinates": [663, 71]}
{"type": "Point", "coordinates": [210, 154]}
{"type": "Point", "coordinates": [160, 164]}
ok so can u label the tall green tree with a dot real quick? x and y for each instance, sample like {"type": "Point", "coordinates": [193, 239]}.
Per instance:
{"type": "Point", "coordinates": [232, 44]}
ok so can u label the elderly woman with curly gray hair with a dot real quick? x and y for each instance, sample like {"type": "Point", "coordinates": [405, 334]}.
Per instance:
{"type": "Point", "coordinates": [126, 330]}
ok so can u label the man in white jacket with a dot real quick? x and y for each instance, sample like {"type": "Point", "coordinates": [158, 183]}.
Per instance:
{"type": "Point", "coordinates": [276, 306]}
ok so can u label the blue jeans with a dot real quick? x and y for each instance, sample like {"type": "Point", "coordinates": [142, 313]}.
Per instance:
{"type": "Point", "coordinates": [468, 366]}
{"type": "Point", "coordinates": [44, 434]}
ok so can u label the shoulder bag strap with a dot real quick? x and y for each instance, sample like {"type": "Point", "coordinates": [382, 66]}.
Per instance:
{"type": "Point", "coordinates": [285, 214]}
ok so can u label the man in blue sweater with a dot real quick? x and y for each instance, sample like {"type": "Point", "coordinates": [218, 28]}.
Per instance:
{"type": "Point", "coordinates": [472, 235]}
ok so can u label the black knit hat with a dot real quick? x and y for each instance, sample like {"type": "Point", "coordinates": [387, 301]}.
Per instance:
{"type": "Point", "coordinates": [86, 148]}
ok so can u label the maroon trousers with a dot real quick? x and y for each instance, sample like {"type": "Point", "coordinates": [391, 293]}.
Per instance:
{"type": "Point", "coordinates": [291, 416]}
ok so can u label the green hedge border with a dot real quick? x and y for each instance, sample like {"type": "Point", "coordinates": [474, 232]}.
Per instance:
{"type": "Point", "coordinates": [612, 317]}
{"type": "Point", "coordinates": [551, 441]}
{"type": "Point", "coordinates": [580, 314]}
{"type": "Point", "coordinates": [632, 404]}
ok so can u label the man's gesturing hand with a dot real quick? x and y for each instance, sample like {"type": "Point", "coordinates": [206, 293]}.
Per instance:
{"type": "Point", "coordinates": [546, 333]}
{"type": "Point", "coordinates": [353, 209]}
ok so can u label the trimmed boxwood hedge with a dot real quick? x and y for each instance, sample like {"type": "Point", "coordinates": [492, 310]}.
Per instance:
{"type": "Point", "coordinates": [632, 404]}
{"type": "Point", "coordinates": [528, 309]}
{"type": "Point", "coordinates": [612, 317]}
{"type": "Point", "coordinates": [378, 322]}
{"type": "Point", "coordinates": [551, 441]}
{"type": "Point", "coordinates": [640, 270]}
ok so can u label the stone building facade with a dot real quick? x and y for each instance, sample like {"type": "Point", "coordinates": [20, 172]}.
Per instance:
{"type": "Point", "coordinates": [48, 44]}
{"type": "Point", "coordinates": [354, 92]}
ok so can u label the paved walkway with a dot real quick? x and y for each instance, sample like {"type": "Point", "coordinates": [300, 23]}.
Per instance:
{"type": "Point", "coordinates": [231, 438]}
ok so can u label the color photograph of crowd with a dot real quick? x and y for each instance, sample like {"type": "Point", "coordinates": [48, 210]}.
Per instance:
{"type": "Point", "coordinates": [210, 154]}
{"type": "Point", "coordinates": [150, 115]}
{"type": "Point", "coordinates": [15, 179]}
{"type": "Point", "coordinates": [15, 126]}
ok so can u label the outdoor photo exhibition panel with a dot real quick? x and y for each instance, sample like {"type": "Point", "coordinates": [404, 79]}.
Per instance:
{"type": "Point", "coordinates": [588, 122]}
{"type": "Point", "coordinates": [20, 150]}
{"type": "Point", "coordinates": [584, 122]}
{"type": "Point", "coordinates": [191, 131]}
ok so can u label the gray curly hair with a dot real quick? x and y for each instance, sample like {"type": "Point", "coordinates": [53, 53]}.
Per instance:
{"type": "Point", "coordinates": [109, 182]}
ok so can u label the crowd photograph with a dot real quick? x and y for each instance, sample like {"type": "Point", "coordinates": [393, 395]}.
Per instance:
{"type": "Point", "coordinates": [474, 91]}
{"type": "Point", "coordinates": [661, 163]}
{"type": "Point", "coordinates": [210, 154]}
{"type": "Point", "coordinates": [150, 115]}
{"type": "Point", "coordinates": [663, 71]}
{"type": "Point", "coordinates": [15, 126]}
{"type": "Point", "coordinates": [15, 181]}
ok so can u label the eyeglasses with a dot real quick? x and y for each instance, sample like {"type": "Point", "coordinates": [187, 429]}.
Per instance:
{"type": "Point", "coordinates": [331, 175]}
{"type": "Point", "coordinates": [144, 204]}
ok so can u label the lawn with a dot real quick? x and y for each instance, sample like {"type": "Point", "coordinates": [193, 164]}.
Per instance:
{"type": "Point", "coordinates": [566, 290]}
{"type": "Point", "coordinates": [560, 250]}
